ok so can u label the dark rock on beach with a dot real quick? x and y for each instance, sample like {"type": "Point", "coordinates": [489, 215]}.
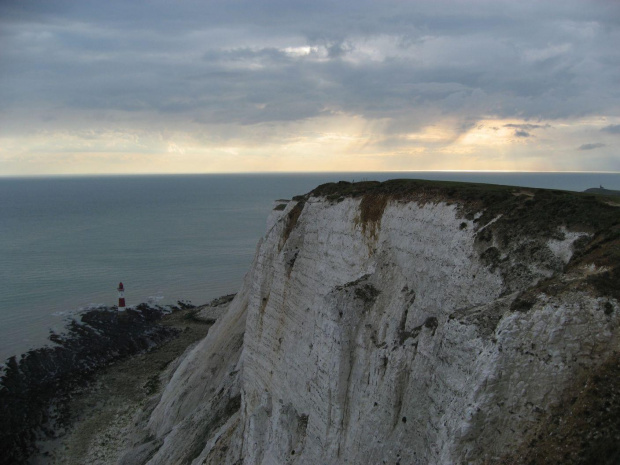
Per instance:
{"type": "Point", "coordinates": [35, 388]}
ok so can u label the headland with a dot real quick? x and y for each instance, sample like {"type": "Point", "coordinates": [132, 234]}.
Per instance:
{"type": "Point", "coordinates": [400, 322]}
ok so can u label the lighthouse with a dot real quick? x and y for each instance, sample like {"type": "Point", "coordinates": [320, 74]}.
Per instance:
{"type": "Point", "coordinates": [121, 297]}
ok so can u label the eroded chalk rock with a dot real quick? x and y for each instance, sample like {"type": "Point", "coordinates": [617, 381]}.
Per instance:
{"type": "Point", "coordinates": [400, 323]}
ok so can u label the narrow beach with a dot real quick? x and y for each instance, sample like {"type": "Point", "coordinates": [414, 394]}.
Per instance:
{"type": "Point", "coordinates": [100, 415]}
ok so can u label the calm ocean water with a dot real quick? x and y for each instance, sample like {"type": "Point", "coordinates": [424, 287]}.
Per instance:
{"type": "Point", "coordinates": [65, 243]}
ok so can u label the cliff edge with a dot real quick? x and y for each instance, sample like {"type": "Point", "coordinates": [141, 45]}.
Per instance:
{"type": "Point", "coordinates": [409, 322]}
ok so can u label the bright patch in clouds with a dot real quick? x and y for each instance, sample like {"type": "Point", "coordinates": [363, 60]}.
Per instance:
{"type": "Point", "coordinates": [497, 133]}
{"type": "Point", "coordinates": [300, 51]}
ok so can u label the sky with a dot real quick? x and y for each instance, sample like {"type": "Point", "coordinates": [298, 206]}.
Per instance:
{"type": "Point", "coordinates": [185, 86]}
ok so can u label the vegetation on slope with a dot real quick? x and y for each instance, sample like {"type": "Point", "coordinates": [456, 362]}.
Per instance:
{"type": "Point", "coordinates": [536, 213]}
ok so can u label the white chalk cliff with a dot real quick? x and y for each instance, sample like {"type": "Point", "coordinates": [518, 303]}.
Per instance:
{"type": "Point", "coordinates": [378, 329]}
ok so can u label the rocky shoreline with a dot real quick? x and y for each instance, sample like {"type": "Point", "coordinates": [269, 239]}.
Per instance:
{"type": "Point", "coordinates": [58, 401]}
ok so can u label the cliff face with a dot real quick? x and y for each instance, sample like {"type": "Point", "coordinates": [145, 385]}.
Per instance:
{"type": "Point", "coordinates": [399, 324]}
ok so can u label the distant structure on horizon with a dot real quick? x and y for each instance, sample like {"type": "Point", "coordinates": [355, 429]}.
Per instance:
{"type": "Point", "coordinates": [121, 297]}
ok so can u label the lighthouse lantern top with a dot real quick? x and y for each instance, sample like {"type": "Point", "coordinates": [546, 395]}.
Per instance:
{"type": "Point", "coordinates": [120, 286]}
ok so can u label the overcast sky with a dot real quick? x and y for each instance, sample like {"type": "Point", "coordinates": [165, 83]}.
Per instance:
{"type": "Point", "coordinates": [120, 86]}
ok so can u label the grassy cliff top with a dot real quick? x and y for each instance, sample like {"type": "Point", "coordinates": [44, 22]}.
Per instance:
{"type": "Point", "coordinates": [539, 208]}
{"type": "Point", "coordinates": [602, 191]}
{"type": "Point", "coordinates": [519, 212]}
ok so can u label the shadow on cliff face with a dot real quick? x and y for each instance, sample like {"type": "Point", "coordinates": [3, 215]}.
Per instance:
{"type": "Point", "coordinates": [584, 429]}
{"type": "Point", "coordinates": [35, 388]}
{"type": "Point", "coordinates": [291, 220]}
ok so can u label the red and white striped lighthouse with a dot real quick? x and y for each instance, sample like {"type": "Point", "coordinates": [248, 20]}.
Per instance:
{"type": "Point", "coordinates": [121, 297]}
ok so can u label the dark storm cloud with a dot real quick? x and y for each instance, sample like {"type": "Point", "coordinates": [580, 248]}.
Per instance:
{"type": "Point", "coordinates": [526, 126]}
{"type": "Point", "coordinates": [248, 62]}
{"type": "Point", "coordinates": [596, 145]}
{"type": "Point", "coordinates": [524, 130]}
{"type": "Point", "coordinates": [612, 129]}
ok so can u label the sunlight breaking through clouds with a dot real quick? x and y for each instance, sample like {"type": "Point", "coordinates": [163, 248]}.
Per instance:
{"type": "Point", "coordinates": [194, 87]}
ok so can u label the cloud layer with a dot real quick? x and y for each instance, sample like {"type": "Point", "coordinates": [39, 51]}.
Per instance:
{"type": "Point", "coordinates": [272, 85]}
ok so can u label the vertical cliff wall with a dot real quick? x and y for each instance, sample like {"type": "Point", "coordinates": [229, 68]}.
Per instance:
{"type": "Point", "coordinates": [398, 323]}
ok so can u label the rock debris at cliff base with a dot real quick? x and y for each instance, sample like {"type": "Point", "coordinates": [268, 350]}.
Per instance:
{"type": "Point", "coordinates": [57, 401]}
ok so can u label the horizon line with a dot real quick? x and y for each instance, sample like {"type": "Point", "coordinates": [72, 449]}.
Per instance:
{"type": "Point", "coordinates": [78, 175]}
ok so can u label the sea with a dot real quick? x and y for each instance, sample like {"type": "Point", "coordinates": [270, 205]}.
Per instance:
{"type": "Point", "coordinates": [67, 242]}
